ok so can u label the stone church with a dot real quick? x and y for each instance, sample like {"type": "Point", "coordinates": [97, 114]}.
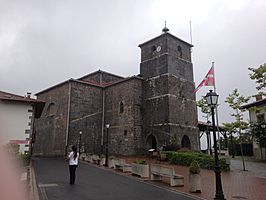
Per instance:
{"type": "Point", "coordinates": [149, 110]}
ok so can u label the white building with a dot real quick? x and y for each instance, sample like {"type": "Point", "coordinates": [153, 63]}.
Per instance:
{"type": "Point", "coordinates": [257, 115]}
{"type": "Point", "coordinates": [17, 114]}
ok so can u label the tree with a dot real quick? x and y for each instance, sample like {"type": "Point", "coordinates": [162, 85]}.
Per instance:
{"type": "Point", "coordinates": [230, 128]}
{"type": "Point", "coordinates": [258, 128]}
{"type": "Point", "coordinates": [235, 101]}
{"type": "Point", "coordinates": [259, 133]}
{"type": "Point", "coordinates": [259, 75]}
{"type": "Point", "coordinates": [206, 111]}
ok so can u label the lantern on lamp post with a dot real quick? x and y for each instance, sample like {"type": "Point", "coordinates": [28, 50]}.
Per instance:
{"type": "Point", "coordinates": [212, 100]}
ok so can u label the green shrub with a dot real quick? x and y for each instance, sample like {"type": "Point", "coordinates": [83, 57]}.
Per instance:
{"type": "Point", "coordinates": [205, 161]}
{"type": "Point", "coordinates": [141, 162]}
{"type": "Point", "coordinates": [25, 159]}
{"type": "Point", "coordinates": [194, 167]}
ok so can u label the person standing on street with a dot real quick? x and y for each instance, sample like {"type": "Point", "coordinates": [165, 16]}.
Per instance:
{"type": "Point", "coordinates": [73, 164]}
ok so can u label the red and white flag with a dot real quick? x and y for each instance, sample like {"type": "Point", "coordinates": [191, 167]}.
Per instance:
{"type": "Point", "coordinates": [208, 80]}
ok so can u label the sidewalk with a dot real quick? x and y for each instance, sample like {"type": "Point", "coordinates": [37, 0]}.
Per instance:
{"type": "Point", "coordinates": [237, 184]}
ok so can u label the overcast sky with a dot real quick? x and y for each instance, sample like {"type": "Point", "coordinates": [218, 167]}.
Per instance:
{"type": "Point", "coordinates": [44, 42]}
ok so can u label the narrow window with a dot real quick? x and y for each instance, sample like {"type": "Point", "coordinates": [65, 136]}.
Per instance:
{"type": "Point", "coordinates": [50, 110]}
{"type": "Point", "coordinates": [125, 132]}
{"type": "Point", "coordinates": [121, 107]}
{"type": "Point", "coordinates": [153, 48]}
{"type": "Point", "coordinates": [179, 52]}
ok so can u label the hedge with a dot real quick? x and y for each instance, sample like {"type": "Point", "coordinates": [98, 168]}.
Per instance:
{"type": "Point", "coordinates": [141, 162]}
{"type": "Point", "coordinates": [205, 161]}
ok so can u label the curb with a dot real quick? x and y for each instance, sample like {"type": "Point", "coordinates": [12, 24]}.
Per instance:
{"type": "Point", "coordinates": [34, 193]}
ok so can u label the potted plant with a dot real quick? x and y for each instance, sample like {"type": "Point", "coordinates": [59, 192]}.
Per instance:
{"type": "Point", "coordinates": [194, 177]}
{"type": "Point", "coordinates": [82, 156]}
{"type": "Point", "coordinates": [140, 168]}
{"type": "Point", "coordinates": [88, 157]}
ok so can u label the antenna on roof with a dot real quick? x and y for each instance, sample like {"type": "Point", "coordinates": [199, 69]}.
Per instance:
{"type": "Point", "coordinates": [165, 29]}
{"type": "Point", "coordinates": [190, 31]}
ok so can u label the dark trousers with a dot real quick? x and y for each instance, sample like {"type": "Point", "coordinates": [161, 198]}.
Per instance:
{"type": "Point", "coordinates": [72, 173]}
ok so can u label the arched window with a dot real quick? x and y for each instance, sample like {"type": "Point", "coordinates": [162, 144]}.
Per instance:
{"type": "Point", "coordinates": [153, 48]}
{"type": "Point", "coordinates": [121, 107]}
{"type": "Point", "coordinates": [50, 109]}
{"type": "Point", "coordinates": [179, 51]}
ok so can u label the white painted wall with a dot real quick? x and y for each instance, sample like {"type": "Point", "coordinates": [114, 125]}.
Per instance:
{"type": "Point", "coordinates": [14, 120]}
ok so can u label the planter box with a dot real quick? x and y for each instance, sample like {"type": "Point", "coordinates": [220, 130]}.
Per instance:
{"type": "Point", "coordinates": [140, 170]}
{"type": "Point", "coordinates": [88, 158]}
{"type": "Point", "coordinates": [111, 163]}
{"type": "Point", "coordinates": [82, 156]}
{"type": "Point", "coordinates": [194, 183]}
{"type": "Point", "coordinates": [95, 159]}
{"type": "Point", "coordinates": [102, 161]}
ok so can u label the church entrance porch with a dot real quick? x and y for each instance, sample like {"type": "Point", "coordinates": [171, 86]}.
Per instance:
{"type": "Point", "coordinates": [185, 142]}
{"type": "Point", "coordinates": [151, 142]}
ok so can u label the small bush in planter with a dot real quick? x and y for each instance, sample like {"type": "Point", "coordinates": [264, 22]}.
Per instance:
{"type": "Point", "coordinates": [141, 162]}
{"type": "Point", "coordinates": [194, 167]}
{"type": "Point", "coordinates": [194, 177]}
{"type": "Point", "coordinates": [112, 157]}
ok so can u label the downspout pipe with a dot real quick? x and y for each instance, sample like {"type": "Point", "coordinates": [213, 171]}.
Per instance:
{"type": "Point", "coordinates": [68, 116]}
{"type": "Point", "coordinates": [103, 116]}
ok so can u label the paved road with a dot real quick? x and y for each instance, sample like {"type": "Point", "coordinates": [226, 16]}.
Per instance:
{"type": "Point", "coordinates": [93, 183]}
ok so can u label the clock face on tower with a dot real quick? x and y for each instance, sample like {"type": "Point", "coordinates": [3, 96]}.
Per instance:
{"type": "Point", "coordinates": [158, 49]}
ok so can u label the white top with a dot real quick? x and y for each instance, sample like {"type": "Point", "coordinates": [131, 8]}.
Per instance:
{"type": "Point", "coordinates": [73, 161]}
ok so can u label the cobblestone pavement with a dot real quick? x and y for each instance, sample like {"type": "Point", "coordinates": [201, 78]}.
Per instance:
{"type": "Point", "coordinates": [237, 184]}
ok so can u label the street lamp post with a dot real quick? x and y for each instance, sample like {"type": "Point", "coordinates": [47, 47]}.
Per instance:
{"type": "Point", "coordinates": [106, 145]}
{"type": "Point", "coordinates": [212, 99]}
{"type": "Point", "coordinates": [80, 133]}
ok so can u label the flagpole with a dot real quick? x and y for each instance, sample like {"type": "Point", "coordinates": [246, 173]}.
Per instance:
{"type": "Point", "coordinates": [216, 112]}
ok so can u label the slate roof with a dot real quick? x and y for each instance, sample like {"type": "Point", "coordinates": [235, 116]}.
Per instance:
{"type": "Point", "coordinates": [261, 102]}
{"type": "Point", "coordinates": [13, 98]}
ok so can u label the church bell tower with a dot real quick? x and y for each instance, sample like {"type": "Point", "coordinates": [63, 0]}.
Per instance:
{"type": "Point", "coordinates": [169, 102]}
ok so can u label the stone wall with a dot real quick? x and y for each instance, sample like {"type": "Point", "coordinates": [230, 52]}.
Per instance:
{"type": "Point", "coordinates": [85, 116]}
{"type": "Point", "coordinates": [125, 132]}
{"type": "Point", "coordinates": [51, 128]}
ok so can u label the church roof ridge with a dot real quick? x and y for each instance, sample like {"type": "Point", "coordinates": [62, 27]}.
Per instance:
{"type": "Point", "coordinates": [68, 80]}
{"type": "Point", "coordinates": [54, 86]}
{"type": "Point", "coordinates": [100, 71]}
{"type": "Point", "coordinates": [124, 80]}
{"type": "Point", "coordinates": [162, 35]}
